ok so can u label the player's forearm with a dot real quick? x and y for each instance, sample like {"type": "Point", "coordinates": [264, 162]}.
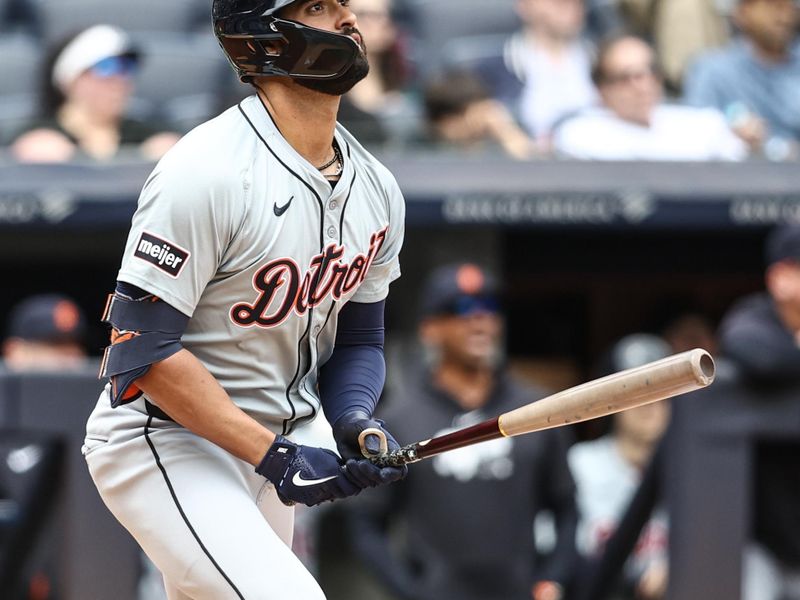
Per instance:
{"type": "Point", "coordinates": [184, 389]}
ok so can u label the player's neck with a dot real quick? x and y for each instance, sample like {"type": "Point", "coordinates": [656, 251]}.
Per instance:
{"type": "Point", "coordinates": [305, 118]}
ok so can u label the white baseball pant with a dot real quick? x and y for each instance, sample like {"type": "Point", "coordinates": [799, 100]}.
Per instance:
{"type": "Point", "coordinates": [213, 527]}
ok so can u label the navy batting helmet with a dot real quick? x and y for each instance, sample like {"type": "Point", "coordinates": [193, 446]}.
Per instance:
{"type": "Point", "coordinates": [258, 43]}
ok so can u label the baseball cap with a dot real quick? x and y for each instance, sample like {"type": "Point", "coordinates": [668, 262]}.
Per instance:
{"type": "Point", "coordinates": [783, 243]}
{"type": "Point", "coordinates": [89, 48]}
{"type": "Point", "coordinates": [47, 318]}
{"type": "Point", "coordinates": [459, 289]}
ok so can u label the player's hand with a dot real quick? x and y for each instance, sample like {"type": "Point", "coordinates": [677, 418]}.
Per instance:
{"type": "Point", "coordinates": [349, 426]}
{"type": "Point", "coordinates": [346, 430]}
{"type": "Point", "coordinates": [309, 475]}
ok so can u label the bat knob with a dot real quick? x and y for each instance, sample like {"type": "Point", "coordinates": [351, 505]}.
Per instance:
{"type": "Point", "coordinates": [362, 442]}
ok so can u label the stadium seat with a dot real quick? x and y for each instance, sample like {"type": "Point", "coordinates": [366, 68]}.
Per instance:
{"type": "Point", "coordinates": [19, 68]}
{"type": "Point", "coordinates": [181, 80]}
{"type": "Point", "coordinates": [436, 22]}
{"type": "Point", "coordinates": [19, 79]}
{"type": "Point", "coordinates": [5, 14]}
{"type": "Point", "coordinates": [470, 52]}
{"type": "Point", "coordinates": [60, 18]}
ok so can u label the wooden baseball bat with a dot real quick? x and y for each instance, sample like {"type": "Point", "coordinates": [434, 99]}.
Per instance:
{"type": "Point", "coordinates": [658, 380]}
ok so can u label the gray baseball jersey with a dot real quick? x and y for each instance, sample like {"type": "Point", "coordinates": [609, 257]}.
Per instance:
{"type": "Point", "coordinates": [238, 231]}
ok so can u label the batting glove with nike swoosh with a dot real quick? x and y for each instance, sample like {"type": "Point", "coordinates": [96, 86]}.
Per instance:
{"type": "Point", "coordinates": [309, 475]}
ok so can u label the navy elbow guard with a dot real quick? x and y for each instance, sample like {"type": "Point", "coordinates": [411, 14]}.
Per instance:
{"type": "Point", "coordinates": [144, 331]}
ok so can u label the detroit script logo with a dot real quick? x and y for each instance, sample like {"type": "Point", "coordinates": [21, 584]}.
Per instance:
{"type": "Point", "coordinates": [326, 276]}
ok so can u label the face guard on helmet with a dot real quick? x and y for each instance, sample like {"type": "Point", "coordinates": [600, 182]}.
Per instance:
{"type": "Point", "coordinates": [258, 43]}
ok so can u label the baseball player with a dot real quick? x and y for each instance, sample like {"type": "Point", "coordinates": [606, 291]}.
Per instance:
{"type": "Point", "coordinates": [250, 298]}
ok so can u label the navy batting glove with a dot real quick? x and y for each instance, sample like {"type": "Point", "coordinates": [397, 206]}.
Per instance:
{"type": "Point", "coordinates": [346, 430]}
{"type": "Point", "coordinates": [367, 474]}
{"type": "Point", "coordinates": [306, 474]}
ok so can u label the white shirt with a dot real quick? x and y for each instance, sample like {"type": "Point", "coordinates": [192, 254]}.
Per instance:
{"type": "Point", "coordinates": [553, 89]}
{"type": "Point", "coordinates": [676, 133]}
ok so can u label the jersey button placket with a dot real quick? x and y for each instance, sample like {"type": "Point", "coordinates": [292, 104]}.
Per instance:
{"type": "Point", "coordinates": [332, 232]}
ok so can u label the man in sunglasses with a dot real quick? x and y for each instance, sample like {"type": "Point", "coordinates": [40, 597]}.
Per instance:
{"type": "Point", "coordinates": [468, 513]}
{"type": "Point", "coordinates": [634, 123]}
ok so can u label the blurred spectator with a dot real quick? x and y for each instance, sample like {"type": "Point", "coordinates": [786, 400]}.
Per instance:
{"type": "Point", "coordinates": [543, 73]}
{"type": "Point", "coordinates": [45, 333]}
{"type": "Point", "coordinates": [88, 82]}
{"type": "Point", "coordinates": [461, 115]}
{"type": "Point", "coordinates": [449, 550]}
{"type": "Point", "coordinates": [688, 331]}
{"type": "Point", "coordinates": [761, 334]}
{"type": "Point", "coordinates": [683, 324]}
{"type": "Point", "coordinates": [756, 79]}
{"type": "Point", "coordinates": [378, 109]}
{"type": "Point", "coordinates": [634, 123]}
{"type": "Point", "coordinates": [607, 473]}
{"type": "Point", "coordinates": [679, 29]}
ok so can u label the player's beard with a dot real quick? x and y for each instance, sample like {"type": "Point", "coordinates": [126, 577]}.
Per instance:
{"type": "Point", "coordinates": [347, 80]}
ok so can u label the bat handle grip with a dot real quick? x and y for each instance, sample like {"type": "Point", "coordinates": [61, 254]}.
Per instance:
{"type": "Point", "coordinates": [362, 442]}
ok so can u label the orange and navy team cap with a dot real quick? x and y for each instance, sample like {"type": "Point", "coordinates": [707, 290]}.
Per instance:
{"type": "Point", "coordinates": [459, 289]}
{"type": "Point", "coordinates": [47, 318]}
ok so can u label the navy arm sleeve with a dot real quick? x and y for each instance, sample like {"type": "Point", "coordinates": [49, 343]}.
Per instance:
{"type": "Point", "coordinates": [353, 378]}
{"type": "Point", "coordinates": [144, 330]}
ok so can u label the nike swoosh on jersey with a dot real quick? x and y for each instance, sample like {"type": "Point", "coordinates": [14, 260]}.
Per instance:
{"type": "Point", "coordinates": [300, 482]}
{"type": "Point", "coordinates": [279, 210]}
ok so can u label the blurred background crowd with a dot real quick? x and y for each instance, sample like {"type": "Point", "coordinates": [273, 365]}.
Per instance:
{"type": "Point", "coordinates": [581, 513]}
{"type": "Point", "coordinates": [585, 79]}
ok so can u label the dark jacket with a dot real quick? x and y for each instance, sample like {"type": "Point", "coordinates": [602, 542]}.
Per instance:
{"type": "Point", "coordinates": [766, 353]}
{"type": "Point", "coordinates": [754, 337]}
